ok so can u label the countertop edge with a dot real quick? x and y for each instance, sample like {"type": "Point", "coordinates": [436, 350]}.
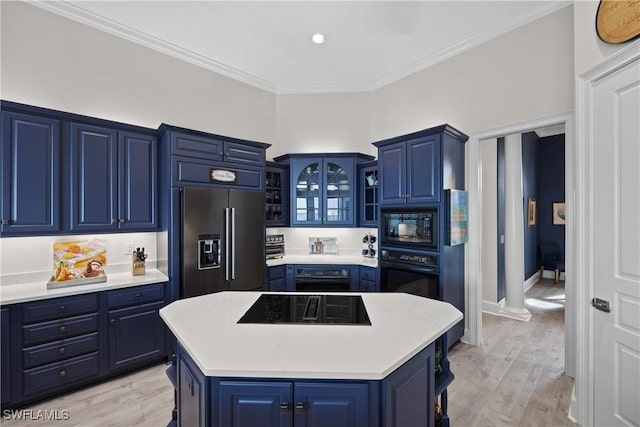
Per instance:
{"type": "Point", "coordinates": [27, 292]}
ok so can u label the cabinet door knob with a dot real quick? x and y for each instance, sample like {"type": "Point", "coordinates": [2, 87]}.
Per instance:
{"type": "Point", "coordinates": [113, 220]}
{"type": "Point", "coordinates": [300, 406]}
{"type": "Point", "coordinates": [61, 350]}
{"type": "Point", "coordinates": [62, 308]}
{"type": "Point", "coordinates": [122, 220]}
{"type": "Point", "coordinates": [138, 295]}
{"type": "Point", "coordinates": [63, 329]}
{"type": "Point", "coordinates": [63, 373]}
{"type": "Point", "coordinates": [284, 407]}
{"type": "Point", "coordinates": [221, 154]}
{"type": "Point", "coordinates": [113, 321]}
{"type": "Point", "coordinates": [6, 221]}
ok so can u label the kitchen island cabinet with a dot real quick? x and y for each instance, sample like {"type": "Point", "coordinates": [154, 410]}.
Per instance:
{"type": "Point", "coordinates": [307, 375]}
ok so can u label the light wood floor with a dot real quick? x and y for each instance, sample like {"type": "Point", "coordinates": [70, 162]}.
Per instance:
{"type": "Point", "coordinates": [514, 379]}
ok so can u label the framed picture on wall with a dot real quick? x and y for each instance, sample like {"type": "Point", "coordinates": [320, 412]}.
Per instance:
{"type": "Point", "coordinates": [531, 213]}
{"type": "Point", "coordinates": [559, 213]}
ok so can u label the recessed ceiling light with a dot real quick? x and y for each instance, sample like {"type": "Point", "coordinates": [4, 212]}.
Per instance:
{"type": "Point", "coordinates": [318, 38]}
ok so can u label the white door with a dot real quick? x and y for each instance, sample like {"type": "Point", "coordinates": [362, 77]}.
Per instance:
{"type": "Point", "coordinates": [616, 247]}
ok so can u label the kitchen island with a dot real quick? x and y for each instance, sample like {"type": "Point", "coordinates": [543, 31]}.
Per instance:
{"type": "Point", "coordinates": [251, 374]}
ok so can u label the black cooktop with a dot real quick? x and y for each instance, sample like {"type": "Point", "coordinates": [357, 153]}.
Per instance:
{"type": "Point", "coordinates": [307, 309]}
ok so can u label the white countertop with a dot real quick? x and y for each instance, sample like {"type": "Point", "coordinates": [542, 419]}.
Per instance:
{"type": "Point", "coordinates": [33, 291]}
{"type": "Point", "coordinates": [324, 259]}
{"type": "Point", "coordinates": [401, 326]}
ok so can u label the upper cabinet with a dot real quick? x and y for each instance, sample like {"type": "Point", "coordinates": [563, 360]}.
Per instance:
{"type": "Point", "coordinates": [66, 173]}
{"type": "Point", "coordinates": [323, 188]}
{"type": "Point", "coordinates": [369, 194]}
{"type": "Point", "coordinates": [30, 174]}
{"type": "Point", "coordinates": [113, 179]}
{"type": "Point", "coordinates": [416, 168]}
{"type": "Point", "coordinates": [276, 195]}
{"type": "Point", "coordinates": [194, 158]}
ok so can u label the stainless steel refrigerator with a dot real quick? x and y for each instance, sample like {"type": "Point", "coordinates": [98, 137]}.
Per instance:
{"type": "Point", "coordinates": [222, 241]}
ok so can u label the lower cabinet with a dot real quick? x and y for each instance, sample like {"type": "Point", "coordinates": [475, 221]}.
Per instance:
{"type": "Point", "coordinates": [136, 332]}
{"type": "Point", "coordinates": [56, 345]}
{"type": "Point", "coordinates": [277, 278]}
{"type": "Point", "coordinates": [5, 354]}
{"type": "Point", "coordinates": [293, 403]}
{"type": "Point", "coordinates": [368, 279]}
{"type": "Point", "coordinates": [403, 398]}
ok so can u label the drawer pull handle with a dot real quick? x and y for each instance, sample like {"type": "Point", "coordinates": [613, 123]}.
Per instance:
{"type": "Point", "coordinates": [63, 329]}
{"type": "Point", "coordinates": [63, 373]}
{"type": "Point", "coordinates": [61, 350]}
{"type": "Point", "coordinates": [62, 308]}
{"type": "Point", "coordinates": [113, 321]}
{"type": "Point", "coordinates": [284, 407]}
{"type": "Point", "coordinates": [300, 407]}
{"type": "Point", "coordinates": [138, 295]}
{"type": "Point", "coordinates": [6, 221]}
{"type": "Point", "coordinates": [122, 220]}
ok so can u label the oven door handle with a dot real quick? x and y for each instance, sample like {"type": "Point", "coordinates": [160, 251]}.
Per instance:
{"type": "Point", "coordinates": [409, 267]}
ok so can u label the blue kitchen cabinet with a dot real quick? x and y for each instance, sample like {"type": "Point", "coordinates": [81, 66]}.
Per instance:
{"type": "Point", "coordinates": [254, 403]}
{"type": "Point", "coordinates": [323, 188]}
{"type": "Point", "coordinates": [416, 168]}
{"type": "Point", "coordinates": [369, 280]}
{"type": "Point", "coordinates": [369, 194]}
{"type": "Point", "coordinates": [30, 174]}
{"type": "Point", "coordinates": [136, 332]}
{"type": "Point", "coordinates": [192, 393]}
{"type": "Point", "coordinates": [293, 403]}
{"type": "Point", "coordinates": [409, 171]}
{"type": "Point", "coordinates": [59, 346]}
{"type": "Point", "coordinates": [276, 195]}
{"type": "Point", "coordinates": [113, 179]}
{"type": "Point", "coordinates": [194, 158]}
{"type": "Point", "coordinates": [277, 278]}
{"type": "Point", "coordinates": [5, 357]}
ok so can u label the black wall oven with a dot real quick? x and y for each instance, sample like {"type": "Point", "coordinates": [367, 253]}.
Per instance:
{"type": "Point", "coordinates": [411, 272]}
{"type": "Point", "coordinates": [410, 228]}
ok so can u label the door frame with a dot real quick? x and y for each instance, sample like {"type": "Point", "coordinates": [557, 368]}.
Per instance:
{"type": "Point", "coordinates": [473, 250]}
{"type": "Point", "coordinates": [585, 386]}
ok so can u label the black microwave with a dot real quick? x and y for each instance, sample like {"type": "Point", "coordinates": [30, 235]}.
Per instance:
{"type": "Point", "coordinates": [415, 227]}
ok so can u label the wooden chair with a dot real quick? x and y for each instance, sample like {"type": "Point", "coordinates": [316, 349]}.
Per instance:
{"type": "Point", "coordinates": [550, 259]}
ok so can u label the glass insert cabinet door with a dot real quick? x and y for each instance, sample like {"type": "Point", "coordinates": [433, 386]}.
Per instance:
{"type": "Point", "coordinates": [338, 193]}
{"type": "Point", "coordinates": [308, 195]}
{"type": "Point", "coordinates": [323, 191]}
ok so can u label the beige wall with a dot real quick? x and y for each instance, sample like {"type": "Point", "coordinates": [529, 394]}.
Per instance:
{"type": "Point", "coordinates": [51, 61]}
{"type": "Point", "coordinates": [589, 49]}
{"type": "Point", "coordinates": [524, 74]}
{"type": "Point", "coordinates": [323, 123]}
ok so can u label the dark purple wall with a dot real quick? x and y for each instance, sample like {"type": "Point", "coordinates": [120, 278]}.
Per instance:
{"type": "Point", "coordinates": [551, 172]}
{"type": "Point", "coordinates": [531, 162]}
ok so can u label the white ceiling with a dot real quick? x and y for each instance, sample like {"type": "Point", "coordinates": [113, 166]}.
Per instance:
{"type": "Point", "coordinates": [268, 43]}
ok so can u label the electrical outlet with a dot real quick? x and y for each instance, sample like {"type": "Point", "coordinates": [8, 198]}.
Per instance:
{"type": "Point", "coordinates": [128, 248]}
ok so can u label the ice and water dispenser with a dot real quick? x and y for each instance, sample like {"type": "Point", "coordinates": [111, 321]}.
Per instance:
{"type": "Point", "coordinates": [208, 251]}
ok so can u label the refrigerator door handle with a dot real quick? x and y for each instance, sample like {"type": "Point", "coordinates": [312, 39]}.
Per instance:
{"type": "Point", "coordinates": [233, 243]}
{"type": "Point", "coordinates": [226, 243]}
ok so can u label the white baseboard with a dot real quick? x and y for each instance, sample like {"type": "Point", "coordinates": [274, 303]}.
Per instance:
{"type": "Point", "coordinates": [494, 308]}
{"type": "Point", "coordinates": [531, 281]}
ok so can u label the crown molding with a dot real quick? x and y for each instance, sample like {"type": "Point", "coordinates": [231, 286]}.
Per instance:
{"type": "Point", "coordinates": [101, 23]}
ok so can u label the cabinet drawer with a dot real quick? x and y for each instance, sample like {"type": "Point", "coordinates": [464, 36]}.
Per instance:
{"type": "Point", "coordinates": [277, 272]}
{"type": "Point", "coordinates": [196, 146]}
{"type": "Point", "coordinates": [59, 350]}
{"type": "Point", "coordinates": [42, 379]}
{"type": "Point", "coordinates": [189, 171]}
{"type": "Point", "coordinates": [59, 307]}
{"type": "Point", "coordinates": [368, 274]}
{"type": "Point", "coordinates": [55, 330]}
{"type": "Point", "coordinates": [134, 296]}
